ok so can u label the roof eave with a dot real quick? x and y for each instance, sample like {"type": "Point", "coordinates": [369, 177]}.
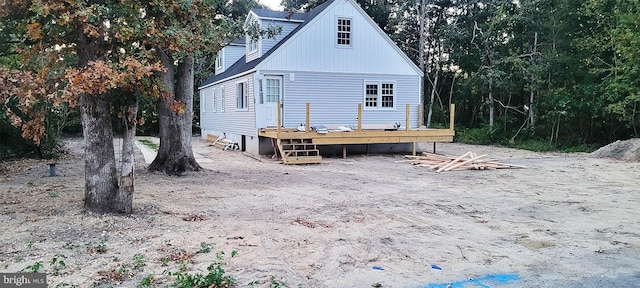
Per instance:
{"type": "Point", "coordinates": [228, 78]}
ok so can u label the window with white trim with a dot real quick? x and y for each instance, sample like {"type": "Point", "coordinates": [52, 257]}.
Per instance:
{"type": "Point", "coordinates": [253, 45]}
{"type": "Point", "coordinates": [222, 104]}
{"type": "Point", "coordinates": [203, 100]}
{"type": "Point", "coordinates": [273, 90]}
{"type": "Point", "coordinates": [242, 96]}
{"type": "Point", "coordinates": [387, 95]}
{"type": "Point", "coordinates": [214, 105]}
{"type": "Point", "coordinates": [379, 95]}
{"type": "Point", "coordinates": [371, 95]}
{"type": "Point", "coordinates": [344, 32]}
{"type": "Point", "coordinates": [260, 92]}
{"type": "Point", "coordinates": [219, 60]}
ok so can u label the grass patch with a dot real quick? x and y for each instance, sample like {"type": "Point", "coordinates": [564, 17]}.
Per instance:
{"type": "Point", "coordinates": [534, 145]}
{"type": "Point", "coordinates": [149, 144]}
{"type": "Point", "coordinates": [587, 148]}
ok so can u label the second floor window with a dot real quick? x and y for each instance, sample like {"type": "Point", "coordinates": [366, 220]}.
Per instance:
{"type": "Point", "coordinates": [344, 32]}
{"type": "Point", "coordinates": [219, 60]}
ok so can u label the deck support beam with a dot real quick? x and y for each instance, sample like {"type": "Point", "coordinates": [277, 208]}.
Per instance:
{"type": "Point", "coordinates": [306, 126]}
{"type": "Point", "coordinates": [406, 123]}
{"type": "Point", "coordinates": [279, 119]}
{"type": "Point", "coordinates": [359, 117]}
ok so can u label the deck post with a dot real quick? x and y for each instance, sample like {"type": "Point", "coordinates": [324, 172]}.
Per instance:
{"type": "Point", "coordinates": [279, 118]}
{"type": "Point", "coordinates": [359, 117]}
{"type": "Point", "coordinates": [344, 151]}
{"type": "Point", "coordinates": [420, 116]}
{"type": "Point", "coordinates": [414, 149]}
{"type": "Point", "coordinates": [306, 126]}
{"type": "Point", "coordinates": [452, 116]}
{"type": "Point", "coordinates": [406, 123]}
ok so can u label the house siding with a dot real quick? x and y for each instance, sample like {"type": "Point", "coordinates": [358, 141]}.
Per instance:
{"type": "Point", "coordinates": [265, 44]}
{"type": "Point", "coordinates": [287, 27]}
{"type": "Point", "coordinates": [334, 97]}
{"type": "Point", "coordinates": [233, 53]}
{"type": "Point", "coordinates": [232, 122]}
{"type": "Point", "coordinates": [314, 47]}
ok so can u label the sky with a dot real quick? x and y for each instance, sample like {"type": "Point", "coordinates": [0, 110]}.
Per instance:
{"type": "Point", "coordinates": [271, 4]}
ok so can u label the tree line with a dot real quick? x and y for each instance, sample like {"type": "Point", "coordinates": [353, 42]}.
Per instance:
{"type": "Point", "coordinates": [561, 72]}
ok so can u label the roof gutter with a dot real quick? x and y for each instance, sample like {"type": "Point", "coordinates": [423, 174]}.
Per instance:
{"type": "Point", "coordinates": [281, 19]}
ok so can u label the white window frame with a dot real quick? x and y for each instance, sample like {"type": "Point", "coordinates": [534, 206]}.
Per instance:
{"type": "Point", "coordinates": [260, 91]}
{"type": "Point", "coordinates": [253, 45]}
{"type": "Point", "coordinates": [366, 94]}
{"type": "Point", "coordinates": [222, 101]}
{"type": "Point", "coordinates": [214, 105]}
{"type": "Point", "coordinates": [266, 87]}
{"type": "Point", "coordinates": [348, 33]}
{"type": "Point", "coordinates": [380, 95]}
{"type": "Point", "coordinates": [203, 100]}
{"type": "Point", "coordinates": [220, 60]}
{"type": "Point", "coordinates": [242, 101]}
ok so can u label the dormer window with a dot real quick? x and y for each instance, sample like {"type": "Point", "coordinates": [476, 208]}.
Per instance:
{"type": "Point", "coordinates": [253, 45]}
{"type": "Point", "coordinates": [344, 32]}
{"type": "Point", "coordinates": [219, 60]}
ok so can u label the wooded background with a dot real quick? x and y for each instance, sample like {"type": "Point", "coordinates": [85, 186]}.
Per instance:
{"type": "Point", "coordinates": [538, 74]}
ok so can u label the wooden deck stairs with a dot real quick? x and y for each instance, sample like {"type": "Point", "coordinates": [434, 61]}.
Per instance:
{"type": "Point", "coordinates": [299, 151]}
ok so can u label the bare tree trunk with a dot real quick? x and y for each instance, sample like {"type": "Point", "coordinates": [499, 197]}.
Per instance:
{"type": "Point", "coordinates": [491, 112]}
{"type": "Point", "coordinates": [175, 154]}
{"type": "Point", "coordinates": [422, 19]}
{"type": "Point", "coordinates": [435, 86]}
{"type": "Point", "coordinates": [124, 199]}
{"type": "Point", "coordinates": [101, 182]}
{"type": "Point", "coordinates": [532, 93]}
{"type": "Point", "coordinates": [100, 175]}
{"type": "Point", "coordinates": [431, 99]}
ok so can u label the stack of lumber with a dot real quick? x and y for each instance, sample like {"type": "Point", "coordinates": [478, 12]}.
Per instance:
{"type": "Point", "coordinates": [226, 144]}
{"type": "Point", "coordinates": [222, 143]}
{"type": "Point", "coordinates": [468, 161]}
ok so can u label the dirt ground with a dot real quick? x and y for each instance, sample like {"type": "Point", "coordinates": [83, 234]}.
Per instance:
{"type": "Point", "coordinates": [567, 220]}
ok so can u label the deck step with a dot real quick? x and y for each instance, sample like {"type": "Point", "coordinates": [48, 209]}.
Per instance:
{"type": "Point", "coordinates": [303, 160]}
{"type": "Point", "coordinates": [295, 153]}
{"type": "Point", "coordinates": [299, 151]}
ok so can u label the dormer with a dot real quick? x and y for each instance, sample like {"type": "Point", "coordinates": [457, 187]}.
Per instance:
{"type": "Point", "coordinates": [262, 19]}
{"type": "Point", "coordinates": [229, 54]}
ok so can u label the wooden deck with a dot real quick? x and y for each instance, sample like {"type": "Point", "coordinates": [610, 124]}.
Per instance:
{"type": "Point", "coordinates": [363, 136]}
{"type": "Point", "coordinates": [358, 136]}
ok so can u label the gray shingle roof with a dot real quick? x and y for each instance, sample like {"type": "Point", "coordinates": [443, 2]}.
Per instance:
{"type": "Point", "coordinates": [265, 13]}
{"type": "Point", "coordinates": [240, 66]}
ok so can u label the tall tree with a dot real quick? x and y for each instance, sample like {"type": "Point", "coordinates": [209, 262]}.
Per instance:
{"type": "Point", "coordinates": [89, 34]}
{"type": "Point", "coordinates": [188, 30]}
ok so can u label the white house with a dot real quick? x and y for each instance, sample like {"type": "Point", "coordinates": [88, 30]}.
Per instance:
{"type": "Point", "coordinates": [334, 58]}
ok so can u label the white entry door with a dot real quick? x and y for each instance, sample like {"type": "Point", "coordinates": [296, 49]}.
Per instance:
{"type": "Point", "coordinates": [272, 98]}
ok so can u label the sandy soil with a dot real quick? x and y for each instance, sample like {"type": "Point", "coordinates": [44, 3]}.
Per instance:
{"type": "Point", "coordinates": [568, 220]}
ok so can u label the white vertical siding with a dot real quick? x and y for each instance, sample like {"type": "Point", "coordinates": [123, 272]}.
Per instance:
{"type": "Point", "coordinates": [287, 27]}
{"type": "Point", "coordinates": [334, 98]}
{"type": "Point", "coordinates": [314, 47]}
{"type": "Point", "coordinates": [265, 44]}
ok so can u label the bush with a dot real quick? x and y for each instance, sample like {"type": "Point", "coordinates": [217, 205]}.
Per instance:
{"type": "Point", "coordinates": [477, 136]}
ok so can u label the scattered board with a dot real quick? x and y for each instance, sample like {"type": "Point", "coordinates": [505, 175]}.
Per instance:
{"type": "Point", "coordinates": [468, 161]}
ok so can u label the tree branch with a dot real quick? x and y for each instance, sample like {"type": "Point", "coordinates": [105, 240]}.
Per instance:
{"type": "Point", "coordinates": [509, 107]}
